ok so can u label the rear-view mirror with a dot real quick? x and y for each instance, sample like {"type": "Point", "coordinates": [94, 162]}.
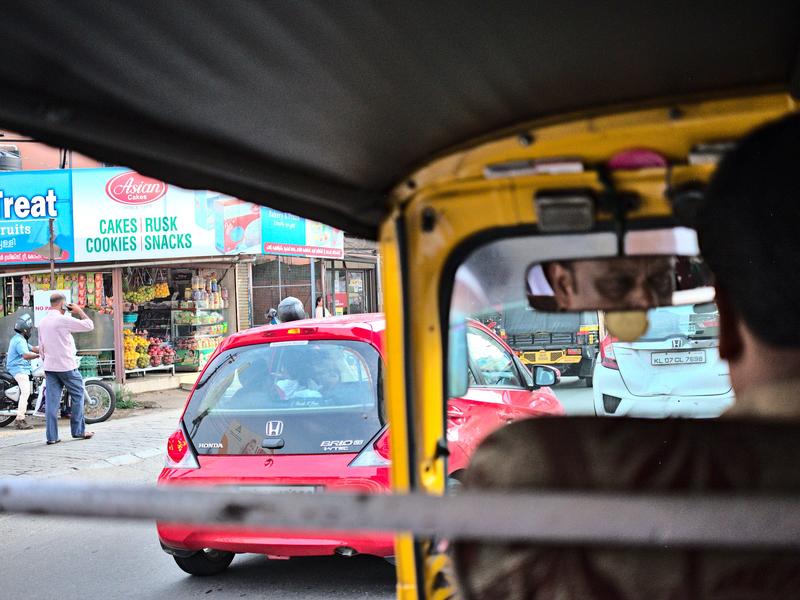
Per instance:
{"type": "Point", "coordinates": [457, 370]}
{"type": "Point", "coordinates": [618, 283]}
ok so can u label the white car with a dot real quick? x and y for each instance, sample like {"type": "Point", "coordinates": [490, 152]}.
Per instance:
{"type": "Point", "coordinates": [673, 370]}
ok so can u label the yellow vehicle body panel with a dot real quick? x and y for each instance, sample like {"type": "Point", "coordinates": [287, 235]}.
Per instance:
{"type": "Point", "coordinates": [549, 357]}
{"type": "Point", "coordinates": [447, 202]}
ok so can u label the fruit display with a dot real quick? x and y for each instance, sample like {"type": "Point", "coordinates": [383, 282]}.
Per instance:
{"type": "Point", "coordinates": [168, 357]}
{"type": "Point", "coordinates": [140, 295]}
{"type": "Point", "coordinates": [161, 290]}
{"type": "Point", "coordinates": [160, 353]}
{"type": "Point", "coordinates": [142, 351]}
{"type": "Point", "coordinates": [135, 349]}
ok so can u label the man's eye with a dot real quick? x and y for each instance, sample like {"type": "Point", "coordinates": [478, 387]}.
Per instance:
{"type": "Point", "coordinates": [615, 288]}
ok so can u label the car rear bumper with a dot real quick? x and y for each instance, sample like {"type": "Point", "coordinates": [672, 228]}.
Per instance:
{"type": "Point", "coordinates": [181, 539]}
{"type": "Point", "coordinates": [619, 402]}
{"type": "Point", "coordinates": [329, 472]}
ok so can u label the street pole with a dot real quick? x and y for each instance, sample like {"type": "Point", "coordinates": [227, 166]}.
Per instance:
{"type": "Point", "coordinates": [119, 348]}
{"type": "Point", "coordinates": [52, 254]}
{"type": "Point", "coordinates": [313, 291]}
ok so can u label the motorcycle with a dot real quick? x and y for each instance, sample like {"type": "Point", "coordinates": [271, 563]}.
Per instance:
{"type": "Point", "coordinates": [99, 400]}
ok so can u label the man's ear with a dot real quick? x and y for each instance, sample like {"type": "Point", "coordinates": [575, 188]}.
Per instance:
{"type": "Point", "coordinates": [730, 338]}
{"type": "Point", "coordinates": [561, 280]}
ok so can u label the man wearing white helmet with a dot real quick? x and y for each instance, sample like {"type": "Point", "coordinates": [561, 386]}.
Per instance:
{"type": "Point", "coordinates": [18, 364]}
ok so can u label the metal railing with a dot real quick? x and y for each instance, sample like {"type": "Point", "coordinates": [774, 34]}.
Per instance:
{"type": "Point", "coordinates": [644, 520]}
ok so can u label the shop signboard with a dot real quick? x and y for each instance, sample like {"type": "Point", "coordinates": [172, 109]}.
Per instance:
{"type": "Point", "coordinates": [29, 199]}
{"type": "Point", "coordinates": [284, 233]}
{"type": "Point", "coordinates": [41, 303]}
{"type": "Point", "coordinates": [122, 215]}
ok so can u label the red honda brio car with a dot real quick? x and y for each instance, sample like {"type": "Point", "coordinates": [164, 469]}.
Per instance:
{"type": "Point", "coordinates": [297, 408]}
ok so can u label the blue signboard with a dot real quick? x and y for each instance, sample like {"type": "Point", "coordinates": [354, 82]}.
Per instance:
{"type": "Point", "coordinates": [28, 200]}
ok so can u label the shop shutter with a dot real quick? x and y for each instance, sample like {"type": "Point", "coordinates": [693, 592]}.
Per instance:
{"type": "Point", "coordinates": [243, 300]}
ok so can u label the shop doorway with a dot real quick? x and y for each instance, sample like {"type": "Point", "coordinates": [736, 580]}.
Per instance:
{"type": "Point", "coordinates": [350, 291]}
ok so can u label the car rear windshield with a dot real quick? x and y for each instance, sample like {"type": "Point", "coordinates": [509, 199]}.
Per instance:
{"type": "Point", "coordinates": [694, 322]}
{"type": "Point", "coordinates": [299, 397]}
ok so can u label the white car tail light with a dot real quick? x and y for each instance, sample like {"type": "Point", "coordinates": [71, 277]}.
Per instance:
{"type": "Point", "coordinates": [375, 454]}
{"type": "Point", "coordinates": [607, 357]}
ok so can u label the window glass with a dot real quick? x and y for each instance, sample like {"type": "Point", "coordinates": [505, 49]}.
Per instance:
{"type": "Point", "coordinates": [313, 395]}
{"type": "Point", "coordinates": [673, 369]}
{"type": "Point", "coordinates": [494, 363]}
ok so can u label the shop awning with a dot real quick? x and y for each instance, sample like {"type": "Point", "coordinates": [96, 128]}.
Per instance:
{"type": "Point", "coordinates": [318, 108]}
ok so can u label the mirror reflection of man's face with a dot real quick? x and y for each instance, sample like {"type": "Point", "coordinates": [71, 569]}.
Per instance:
{"type": "Point", "coordinates": [616, 283]}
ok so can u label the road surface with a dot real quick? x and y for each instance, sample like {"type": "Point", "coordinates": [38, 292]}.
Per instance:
{"type": "Point", "coordinates": [77, 558]}
{"type": "Point", "coordinates": [73, 558]}
{"type": "Point", "coordinates": [576, 399]}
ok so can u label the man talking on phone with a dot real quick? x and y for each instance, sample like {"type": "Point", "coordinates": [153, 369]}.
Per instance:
{"type": "Point", "coordinates": [58, 352]}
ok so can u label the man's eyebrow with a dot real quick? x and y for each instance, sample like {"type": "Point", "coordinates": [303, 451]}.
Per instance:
{"type": "Point", "coordinates": [659, 266]}
{"type": "Point", "coordinates": [617, 268]}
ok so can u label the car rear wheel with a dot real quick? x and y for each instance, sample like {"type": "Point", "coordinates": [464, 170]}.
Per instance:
{"type": "Point", "coordinates": [206, 562]}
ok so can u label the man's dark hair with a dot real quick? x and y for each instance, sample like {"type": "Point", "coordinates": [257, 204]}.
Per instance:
{"type": "Point", "coordinates": [749, 230]}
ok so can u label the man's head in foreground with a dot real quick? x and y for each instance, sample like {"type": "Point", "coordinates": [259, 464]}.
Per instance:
{"type": "Point", "coordinates": [749, 230]}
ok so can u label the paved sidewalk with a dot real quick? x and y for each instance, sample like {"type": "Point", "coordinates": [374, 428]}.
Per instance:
{"type": "Point", "coordinates": [116, 442]}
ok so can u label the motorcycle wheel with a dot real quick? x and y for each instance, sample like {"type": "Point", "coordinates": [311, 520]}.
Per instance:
{"type": "Point", "coordinates": [4, 385]}
{"type": "Point", "coordinates": [99, 401]}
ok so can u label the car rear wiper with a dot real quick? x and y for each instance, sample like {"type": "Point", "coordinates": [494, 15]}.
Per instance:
{"type": "Point", "coordinates": [204, 413]}
{"type": "Point", "coordinates": [232, 358]}
{"type": "Point", "coordinates": [197, 420]}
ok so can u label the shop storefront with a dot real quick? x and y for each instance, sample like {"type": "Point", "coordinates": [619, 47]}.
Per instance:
{"type": "Point", "coordinates": [156, 267]}
{"type": "Point", "coordinates": [351, 287]}
{"type": "Point", "coordinates": [347, 286]}
{"type": "Point", "coordinates": [173, 317]}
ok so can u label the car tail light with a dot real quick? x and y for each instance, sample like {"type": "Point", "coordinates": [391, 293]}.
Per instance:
{"type": "Point", "coordinates": [375, 454]}
{"type": "Point", "coordinates": [292, 331]}
{"type": "Point", "coordinates": [574, 351]}
{"type": "Point", "coordinates": [179, 453]}
{"type": "Point", "coordinates": [607, 357]}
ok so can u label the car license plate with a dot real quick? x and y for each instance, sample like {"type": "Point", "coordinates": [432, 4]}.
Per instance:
{"type": "Point", "coordinates": [279, 489]}
{"type": "Point", "coordinates": [691, 357]}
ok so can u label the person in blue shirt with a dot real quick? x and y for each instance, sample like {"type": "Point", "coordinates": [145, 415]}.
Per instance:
{"type": "Point", "coordinates": [18, 364]}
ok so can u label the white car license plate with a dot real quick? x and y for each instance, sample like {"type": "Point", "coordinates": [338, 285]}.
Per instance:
{"type": "Point", "coordinates": [278, 489]}
{"type": "Point", "coordinates": [690, 357]}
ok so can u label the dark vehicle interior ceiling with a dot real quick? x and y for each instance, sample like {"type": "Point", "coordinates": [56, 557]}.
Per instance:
{"type": "Point", "coordinates": [319, 108]}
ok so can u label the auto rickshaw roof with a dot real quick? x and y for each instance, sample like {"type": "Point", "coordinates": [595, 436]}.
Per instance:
{"type": "Point", "coordinates": [320, 108]}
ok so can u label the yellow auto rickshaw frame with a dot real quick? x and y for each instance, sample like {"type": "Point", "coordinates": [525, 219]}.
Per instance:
{"type": "Point", "coordinates": [445, 208]}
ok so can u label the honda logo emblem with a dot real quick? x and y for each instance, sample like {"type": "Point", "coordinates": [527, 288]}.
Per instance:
{"type": "Point", "coordinates": [274, 428]}
{"type": "Point", "coordinates": [677, 343]}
